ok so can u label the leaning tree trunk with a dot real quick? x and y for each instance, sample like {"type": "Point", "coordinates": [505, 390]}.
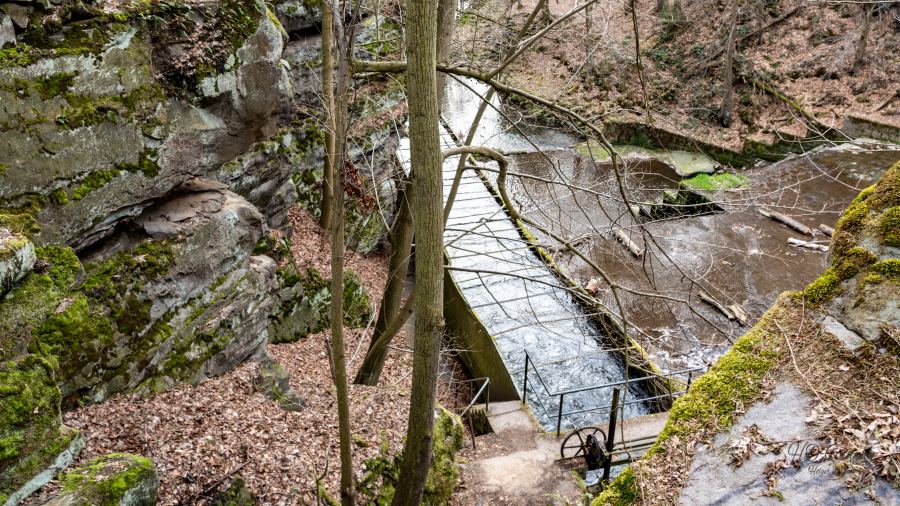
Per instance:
{"type": "Point", "coordinates": [401, 242]}
{"type": "Point", "coordinates": [426, 203]}
{"type": "Point", "coordinates": [327, 206]}
{"type": "Point", "coordinates": [338, 359]}
{"type": "Point", "coordinates": [727, 110]}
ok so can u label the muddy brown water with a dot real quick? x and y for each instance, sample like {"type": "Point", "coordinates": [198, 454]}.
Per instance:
{"type": "Point", "coordinates": [737, 255]}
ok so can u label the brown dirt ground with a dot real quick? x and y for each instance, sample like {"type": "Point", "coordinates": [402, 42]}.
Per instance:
{"type": "Point", "coordinates": [196, 435]}
{"type": "Point", "coordinates": [808, 56]}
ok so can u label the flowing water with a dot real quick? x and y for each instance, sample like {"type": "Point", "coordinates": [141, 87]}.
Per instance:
{"type": "Point", "coordinates": [735, 254]}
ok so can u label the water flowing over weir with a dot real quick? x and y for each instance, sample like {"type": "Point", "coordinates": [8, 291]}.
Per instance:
{"type": "Point", "coordinates": [512, 294]}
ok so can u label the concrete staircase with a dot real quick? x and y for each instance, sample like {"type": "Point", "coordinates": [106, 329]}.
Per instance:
{"type": "Point", "coordinates": [520, 464]}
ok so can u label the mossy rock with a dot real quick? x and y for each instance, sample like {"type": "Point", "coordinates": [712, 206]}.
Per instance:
{"type": "Point", "coordinates": [379, 483]}
{"type": "Point", "coordinates": [116, 479]}
{"type": "Point", "coordinates": [237, 494]}
{"type": "Point", "coordinates": [306, 304]}
{"type": "Point", "coordinates": [31, 431]}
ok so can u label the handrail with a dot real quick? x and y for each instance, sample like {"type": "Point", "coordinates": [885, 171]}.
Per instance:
{"type": "Point", "coordinates": [487, 381]}
{"type": "Point", "coordinates": [615, 384]}
{"type": "Point", "coordinates": [487, 402]}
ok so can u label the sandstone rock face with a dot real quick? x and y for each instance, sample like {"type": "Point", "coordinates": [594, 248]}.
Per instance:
{"type": "Point", "coordinates": [93, 139]}
{"type": "Point", "coordinates": [297, 15]}
{"type": "Point", "coordinates": [119, 479]}
{"type": "Point", "coordinates": [138, 174]}
{"type": "Point", "coordinates": [193, 301]}
{"type": "Point", "coordinates": [16, 259]}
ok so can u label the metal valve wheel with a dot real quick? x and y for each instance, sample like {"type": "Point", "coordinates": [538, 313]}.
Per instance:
{"type": "Point", "coordinates": [575, 444]}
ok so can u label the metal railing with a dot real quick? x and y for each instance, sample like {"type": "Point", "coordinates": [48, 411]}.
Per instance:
{"type": "Point", "coordinates": [487, 403]}
{"type": "Point", "coordinates": [560, 415]}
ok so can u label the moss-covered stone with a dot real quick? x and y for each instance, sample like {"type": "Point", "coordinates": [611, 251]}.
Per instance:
{"type": "Point", "coordinates": [114, 479]}
{"type": "Point", "coordinates": [889, 227]}
{"type": "Point", "coordinates": [379, 483]}
{"type": "Point", "coordinates": [31, 431]}
{"type": "Point", "coordinates": [237, 494]}
{"type": "Point", "coordinates": [889, 269]}
{"type": "Point", "coordinates": [305, 306]}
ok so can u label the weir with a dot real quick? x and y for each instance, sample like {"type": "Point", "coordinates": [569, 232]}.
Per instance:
{"type": "Point", "coordinates": [503, 302]}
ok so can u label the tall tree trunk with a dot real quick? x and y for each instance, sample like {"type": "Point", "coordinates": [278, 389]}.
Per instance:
{"type": "Point", "coordinates": [401, 242]}
{"type": "Point", "coordinates": [446, 24]}
{"type": "Point", "coordinates": [327, 207]}
{"type": "Point", "coordinates": [426, 203]}
{"type": "Point", "coordinates": [338, 359]}
{"type": "Point", "coordinates": [727, 110]}
{"type": "Point", "coordinates": [860, 59]}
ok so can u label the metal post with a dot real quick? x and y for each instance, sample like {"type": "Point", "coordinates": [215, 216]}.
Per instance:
{"type": "Point", "coordinates": [525, 383]}
{"type": "Point", "coordinates": [690, 377]}
{"type": "Point", "coordinates": [611, 434]}
{"type": "Point", "coordinates": [559, 416]}
{"type": "Point", "coordinates": [487, 402]}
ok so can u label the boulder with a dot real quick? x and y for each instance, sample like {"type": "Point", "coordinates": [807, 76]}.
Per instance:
{"type": "Point", "coordinates": [274, 382]}
{"type": "Point", "coordinates": [175, 297]}
{"type": "Point", "coordinates": [16, 259]}
{"type": "Point", "coordinates": [298, 15]}
{"type": "Point", "coordinates": [116, 479]}
{"type": "Point", "coordinates": [7, 32]}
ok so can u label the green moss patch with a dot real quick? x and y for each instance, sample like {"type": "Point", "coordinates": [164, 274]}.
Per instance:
{"type": "Point", "coordinates": [716, 182]}
{"type": "Point", "coordinates": [94, 180]}
{"type": "Point", "coordinates": [107, 479]}
{"type": "Point", "coordinates": [383, 472]}
{"type": "Point", "coordinates": [889, 227]}
{"type": "Point", "coordinates": [20, 216]}
{"type": "Point", "coordinates": [31, 432]}
{"type": "Point", "coordinates": [889, 269]}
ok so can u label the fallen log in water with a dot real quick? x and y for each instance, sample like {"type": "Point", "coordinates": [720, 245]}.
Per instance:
{"type": "Point", "coordinates": [826, 229]}
{"type": "Point", "coordinates": [632, 246]}
{"type": "Point", "coordinates": [732, 312]}
{"type": "Point", "coordinates": [807, 244]}
{"type": "Point", "coordinates": [787, 220]}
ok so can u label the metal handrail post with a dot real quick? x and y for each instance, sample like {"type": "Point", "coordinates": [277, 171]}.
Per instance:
{"type": "Point", "coordinates": [559, 416]}
{"type": "Point", "coordinates": [690, 377]}
{"type": "Point", "coordinates": [525, 383]}
{"type": "Point", "coordinates": [611, 434]}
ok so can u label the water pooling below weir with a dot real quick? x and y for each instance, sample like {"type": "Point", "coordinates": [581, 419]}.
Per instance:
{"type": "Point", "coordinates": [736, 254]}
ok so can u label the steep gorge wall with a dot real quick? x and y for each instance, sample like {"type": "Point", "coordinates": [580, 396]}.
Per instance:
{"type": "Point", "coordinates": [148, 159]}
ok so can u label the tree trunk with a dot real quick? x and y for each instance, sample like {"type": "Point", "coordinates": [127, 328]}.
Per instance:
{"type": "Point", "coordinates": [401, 241]}
{"type": "Point", "coordinates": [338, 359]}
{"type": "Point", "coordinates": [860, 59]}
{"type": "Point", "coordinates": [661, 6]}
{"type": "Point", "coordinates": [328, 104]}
{"type": "Point", "coordinates": [446, 23]}
{"type": "Point", "coordinates": [426, 204]}
{"type": "Point", "coordinates": [727, 110]}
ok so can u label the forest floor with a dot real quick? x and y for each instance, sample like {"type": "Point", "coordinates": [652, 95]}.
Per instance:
{"type": "Point", "coordinates": [805, 50]}
{"type": "Point", "coordinates": [200, 435]}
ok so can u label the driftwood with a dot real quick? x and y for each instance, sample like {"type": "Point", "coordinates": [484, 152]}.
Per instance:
{"type": "Point", "coordinates": [826, 229]}
{"type": "Point", "coordinates": [733, 312]}
{"type": "Point", "coordinates": [787, 220]}
{"type": "Point", "coordinates": [632, 246]}
{"type": "Point", "coordinates": [807, 244]}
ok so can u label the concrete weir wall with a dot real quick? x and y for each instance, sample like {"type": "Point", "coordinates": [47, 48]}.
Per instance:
{"type": "Point", "coordinates": [480, 353]}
